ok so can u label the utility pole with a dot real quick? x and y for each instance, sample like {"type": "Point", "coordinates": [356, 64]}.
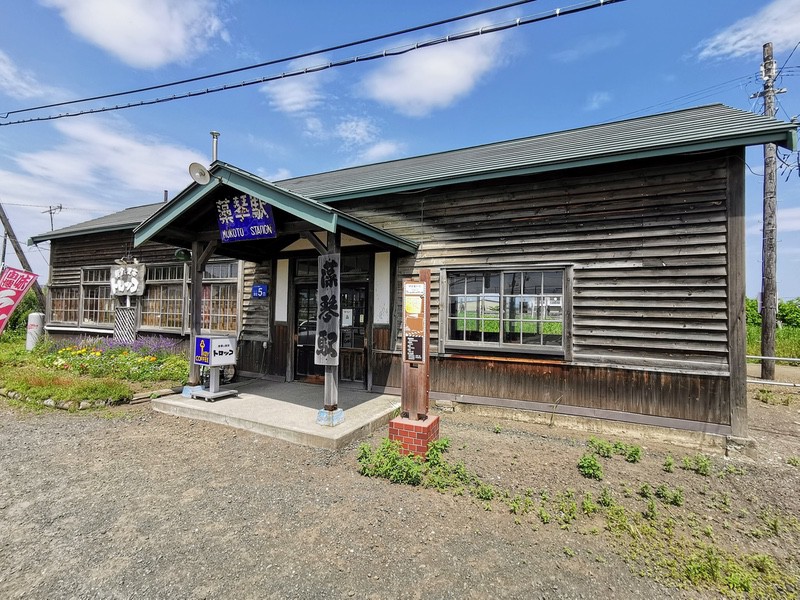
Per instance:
{"type": "Point", "coordinates": [52, 210]}
{"type": "Point", "coordinates": [769, 254]}
{"type": "Point", "coordinates": [23, 260]}
{"type": "Point", "coordinates": [769, 258]}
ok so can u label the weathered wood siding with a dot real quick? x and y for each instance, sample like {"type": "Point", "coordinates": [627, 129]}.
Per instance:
{"type": "Point", "coordinates": [646, 243]}
{"type": "Point", "coordinates": [68, 256]}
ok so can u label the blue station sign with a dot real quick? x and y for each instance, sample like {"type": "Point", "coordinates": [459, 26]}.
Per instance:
{"type": "Point", "coordinates": [245, 218]}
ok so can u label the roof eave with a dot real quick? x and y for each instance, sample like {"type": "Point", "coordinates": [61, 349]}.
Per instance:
{"type": "Point", "coordinates": [45, 237]}
{"type": "Point", "coordinates": [787, 140]}
{"type": "Point", "coordinates": [309, 210]}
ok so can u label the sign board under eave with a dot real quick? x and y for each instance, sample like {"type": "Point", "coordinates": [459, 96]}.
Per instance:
{"type": "Point", "coordinates": [245, 218]}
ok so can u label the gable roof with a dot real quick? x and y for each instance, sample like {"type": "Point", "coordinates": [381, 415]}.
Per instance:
{"type": "Point", "coordinates": [690, 130]}
{"type": "Point", "coordinates": [191, 209]}
{"type": "Point", "coordinates": [127, 219]}
{"type": "Point", "coordinates": [709, 127]}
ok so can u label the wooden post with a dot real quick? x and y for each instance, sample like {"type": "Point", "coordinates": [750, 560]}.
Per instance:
{"type": "Point", "coordinates": [769, 285]}
{"type": "Point", "coordinates": [327, 347]}
{"type": "Point", "coordinates": [196, 306]}
{"type": "Point", "coordinates": [416, 346]}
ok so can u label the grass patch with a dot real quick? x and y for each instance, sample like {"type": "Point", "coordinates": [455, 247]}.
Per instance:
{"type": "Point", "coordinates": [657, 535]}
{"type": "Point", "coordinates": [90, 369]}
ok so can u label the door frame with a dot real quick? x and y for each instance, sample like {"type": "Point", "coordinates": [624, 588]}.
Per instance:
{"type": "Point", "coordinates": [365, 279]}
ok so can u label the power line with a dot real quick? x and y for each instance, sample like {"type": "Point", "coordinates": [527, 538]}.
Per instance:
{"type": "Point", "coordinates": [696, 95]}
{"type": "Point", "coordinates": [273, 62]}
{"type": "Point", "coordinates": [349, 61]}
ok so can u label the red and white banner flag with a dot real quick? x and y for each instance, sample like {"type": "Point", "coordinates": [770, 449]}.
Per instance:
{"type": "Point", "coordinates": [13, 285]}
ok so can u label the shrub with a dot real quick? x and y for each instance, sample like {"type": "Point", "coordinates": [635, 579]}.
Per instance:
{"type": "Point", "coordinates": [600, 447]}
{"type": "Point", "coordinates": [669, 464]}
{"type": "Point", "coordinates": [699, 463]}
{"type": "Point", "coordinates": [590, 467]}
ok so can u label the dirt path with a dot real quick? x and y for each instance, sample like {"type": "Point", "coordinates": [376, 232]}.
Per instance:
{"type": "Point", "coordinates": [130, 503]}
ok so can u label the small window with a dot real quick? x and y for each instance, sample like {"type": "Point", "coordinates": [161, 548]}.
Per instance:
{"type": "Point", "coordinates": [64, 304]}
{"type": "Point", "coordinates": [162, 304]}
{"type": "Point", "coordinates": [519, 310]}
{"type": "Point", "coordinates": [98, 304]}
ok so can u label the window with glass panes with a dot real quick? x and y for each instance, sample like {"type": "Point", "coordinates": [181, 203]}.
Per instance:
{"type": "Point", "coordinates": [98, 304]}
{"type": "Point", "coordinates": [220, 297]}
{"type": "Point", "coordinates": [64, 304]}
{"type": "Point", "coordinates": [519, 309]}
{"type": "Point", "coordinates": [162, 304]}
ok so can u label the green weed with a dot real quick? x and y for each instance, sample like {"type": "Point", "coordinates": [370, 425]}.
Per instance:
{"type": "Point", "coordinates": [590, 467]}
{"type": "Point", "coordinates": [600, 447]}
{"type": "Point", "coordinates": [699, 463]}
{"type": "Point", "coordinates": [669, 464]}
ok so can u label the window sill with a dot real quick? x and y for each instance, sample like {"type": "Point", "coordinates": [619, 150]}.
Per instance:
{"type": "Point", "coordinates": [503, 354]}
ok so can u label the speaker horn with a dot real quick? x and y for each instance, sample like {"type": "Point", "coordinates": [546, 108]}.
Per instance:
{"type": "Point", "coordinates": [199, 173]}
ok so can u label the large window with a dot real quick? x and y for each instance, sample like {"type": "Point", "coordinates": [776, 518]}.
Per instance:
{"type": "Point", "coordinates": [64, 304]}
{"type": "Point", "coordinates": [98, 304]}
{"type": "Point", "coordinates": [163, 301]}
{"type": "Point", "coordinates": [220, 297]}
{"type": "Point", "coordinates": [513, 310]}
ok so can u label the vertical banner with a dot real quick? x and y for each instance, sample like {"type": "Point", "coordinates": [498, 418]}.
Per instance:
{"type": "Point", "coordinates": [13, 285]}
{"type": "Point", "coordinates": [327, 347]}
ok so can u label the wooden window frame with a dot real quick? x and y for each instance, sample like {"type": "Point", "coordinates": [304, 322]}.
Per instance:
{"type": "Point", "coordinates": [447, 345]}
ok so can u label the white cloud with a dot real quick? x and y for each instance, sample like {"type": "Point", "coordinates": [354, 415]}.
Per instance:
{"type": "Point", "coordinates": [94, 167]}
{"type": "Point", "coordinates": [300, 93]}
{"type": "Point", "coordinates": [356, 131]}
{"type": "Point", "coordinates": [277, 175]}
{"type": "Point", "coordinates": [580, 49]}
{"type": "Point", "coordinates": [385, 150]}
{"type": "Point", "coordinates": [314, 128]}
{"type": "Point", "coordinates": [422, 81]}
{"type": "Point", "coordinates": [597, 100]}
{"type": "Point", "coordinates": [778, 22]}
{"type": "Point", "coordinates": [20, 84]}
{"type": "Point", "coordinates": [105, 161]}
{"type": "Point", "coordinates": [145, 34]}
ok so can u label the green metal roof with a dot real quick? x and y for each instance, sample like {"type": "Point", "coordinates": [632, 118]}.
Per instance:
{"type": "Point", "coordinates": [318, 214]}
{"type": "Point", "coordinates": [127, 219]}
{"type": "Point", "coordinates": [691, 130]}
{"type": "Point", "coordinates": [696, 129]}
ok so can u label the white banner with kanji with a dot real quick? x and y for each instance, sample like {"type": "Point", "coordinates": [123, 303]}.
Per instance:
{"type": "Point", "coordinates": [13, 285]}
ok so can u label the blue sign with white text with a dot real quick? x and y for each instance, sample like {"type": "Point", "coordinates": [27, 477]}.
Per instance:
{"type": "Point", "coordinates": [202, 350]}
{"type": "Point", "coordinates": [245, 218]}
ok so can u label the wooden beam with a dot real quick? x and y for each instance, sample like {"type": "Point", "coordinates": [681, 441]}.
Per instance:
{"type": "Point", "coordinates": [314, 241]}
{"type": "Point", "coordinates": [737, 325]}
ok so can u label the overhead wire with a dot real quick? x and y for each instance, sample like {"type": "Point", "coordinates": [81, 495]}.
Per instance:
{"type": "Point", "coordinates": [274, 61]}
{"type": "Point", "coordinates": [692, 96]}
{"type": "Point", "coordinates": [484, 30]}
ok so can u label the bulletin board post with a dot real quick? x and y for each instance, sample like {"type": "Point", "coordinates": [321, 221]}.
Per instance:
{"type": "Point", "coordinates": [415, 429]}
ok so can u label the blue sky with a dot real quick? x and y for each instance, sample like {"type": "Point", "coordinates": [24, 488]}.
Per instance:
{"type": "Point", "coordinates": [619, 61]}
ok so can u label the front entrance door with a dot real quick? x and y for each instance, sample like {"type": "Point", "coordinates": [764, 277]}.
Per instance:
{"type": "Point", "coordinates": [353, 320]}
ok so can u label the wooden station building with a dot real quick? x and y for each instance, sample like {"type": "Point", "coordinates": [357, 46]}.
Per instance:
{"type": "Point", "coordinates": [596, 272]}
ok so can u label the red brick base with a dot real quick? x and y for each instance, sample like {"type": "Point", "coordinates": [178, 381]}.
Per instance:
{"type": "Point", "coordinates": [415, 436]}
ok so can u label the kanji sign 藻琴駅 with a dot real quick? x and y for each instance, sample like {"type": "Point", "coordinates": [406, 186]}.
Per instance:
{"type": "Point", "coordinates": [244, 218]}
{"type": "Point", "coordinates": [13, 285]}
{"type": "Point", "coordinates": [328, 312]}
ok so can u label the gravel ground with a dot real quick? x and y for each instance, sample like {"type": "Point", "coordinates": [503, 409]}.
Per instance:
{"type": "Point", "coordinates": [129, 503]}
